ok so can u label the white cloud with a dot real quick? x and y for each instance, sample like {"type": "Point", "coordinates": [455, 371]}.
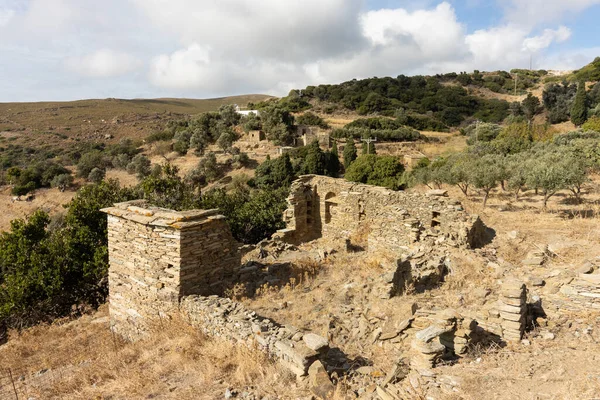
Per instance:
{"type": "Point", "coordinates": [103, 63]}
{"type": "Point", "coordinates": [5, 16]}
{"type": "Point", "coordinates": [388, 42]}
{"type": "Point", "coordinates": [293, 31]}
{"type": "Point", "coordinates": [183, 69]}
{"type": "Point", "coordinates": [392, 41]}
{"type": "Point", "coordinates": [537, 43]}
{"type": "Point", "coordinates": [435, 32]}
{"type": "Point", "coordinates": [213, 48]}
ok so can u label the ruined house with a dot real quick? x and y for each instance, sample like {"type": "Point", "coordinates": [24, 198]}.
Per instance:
{"type": "Point", "coordinates": [320, 206]}
{"type": "Point", "coordinates": [256, 136]}
{"type": "Point", "coordinates": [308, 134]}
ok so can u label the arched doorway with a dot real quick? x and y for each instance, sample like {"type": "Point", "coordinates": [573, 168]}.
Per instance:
{"type": "Point", "coordinates": [331, 203]}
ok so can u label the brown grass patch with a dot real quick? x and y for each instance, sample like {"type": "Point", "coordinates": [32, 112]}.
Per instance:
{"type": "Point", "coordinates": [82, 359]}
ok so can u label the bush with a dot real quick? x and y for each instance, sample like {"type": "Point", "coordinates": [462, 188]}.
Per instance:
{"type": "Point", "coordinates": [592, 124]}
{"type": "Point", "coordinates": [481, 132]}
{"type": "Point", "coordinates": [96, 175]}
{"type": "Point", "coordinates": [140, 165]}
{"type": "Point", "coordinates": [44, 271]}
{"type": "Point", "coordinates": [252, 216]}
{"type": "Point", "coordinates": [251, 122]}
{"type": "Point", "coordinates": [165, 188]}
{"type": "Point", "coordinates": [165, 135]}
{"type": "Point", "coordinates": [209, 167]}
{"type": "Point", "coordinates": [311, 119]}
{"type": "Point", "coordinates": [376, 170]}
{"type": "Point", "coordinates": [62, 181]}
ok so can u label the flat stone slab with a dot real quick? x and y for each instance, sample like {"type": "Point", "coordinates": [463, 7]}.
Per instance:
{"type": "Point", "coordinates": [533, 261]}
{"type": "Point", "coordinates": [315, 342]}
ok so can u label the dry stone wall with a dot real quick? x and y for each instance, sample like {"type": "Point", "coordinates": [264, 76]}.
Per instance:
{"type": "Point", "coordinates": [320, 206]}
{"type": "Point", "coordinates": [157, 256]}
{"type": "Point", "coordinates": [222, 317]}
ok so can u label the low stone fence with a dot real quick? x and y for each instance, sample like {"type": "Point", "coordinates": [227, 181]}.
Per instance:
{"type": "Point", "coordinates": [222, 317]}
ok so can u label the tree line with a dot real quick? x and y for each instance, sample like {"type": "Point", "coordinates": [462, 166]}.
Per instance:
{"type": "Point", "coordinates": [516, 164]}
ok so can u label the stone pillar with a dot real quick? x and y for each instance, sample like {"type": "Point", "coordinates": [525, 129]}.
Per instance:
{"type": "Point", "coordinates": [512, 306]}
{"type": "Point", "coordinates": [157, 256]}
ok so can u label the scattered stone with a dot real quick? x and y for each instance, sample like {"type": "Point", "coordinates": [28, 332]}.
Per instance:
{"type": "Point", "coordinates": [512, 234]}
{"type": "Point", "coordinates": [547, 335]}
{"type": "Point", "coordinates": [403, 325]}
{"type": "Point", "coordinates": [437, 193]}
{"type": "Point", "coordinates": [365, 370]}
{"type": "Point", "coordinates": [315, 342]}
{"type": "Point", "coordinates": [533, 261]}
{"type": "Point", "coordinates": [396, 373]}
{"type": "Point", "coordinates": [429, 333]}
{"type": "Point", "coordinates": [586, 268]}
{"type": "Point", "coordinates": [534, 281]}
{"type": "Point", "coordinates": [384, 395]}
{"type": "Point", "coordinates": [320, 384]}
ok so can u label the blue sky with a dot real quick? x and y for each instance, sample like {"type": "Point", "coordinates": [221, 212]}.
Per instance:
{"type": "Point", "coordinates": [72, 49]}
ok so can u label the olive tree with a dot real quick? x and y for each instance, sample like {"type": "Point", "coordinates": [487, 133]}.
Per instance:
{"type": "Point", "coordinates": [516, 172]}
{"type": "Point", "coordinates": [458, 171]}
{"type": "Point", "coordinates": [487, 172]}
{"type": "Point", "coordinates": [546, 173]}
{"type": "Point", "coordinates": [62, 181]}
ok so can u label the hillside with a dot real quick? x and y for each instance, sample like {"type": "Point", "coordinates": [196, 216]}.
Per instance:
{"type": "Point", "coordinates": [94, 119]}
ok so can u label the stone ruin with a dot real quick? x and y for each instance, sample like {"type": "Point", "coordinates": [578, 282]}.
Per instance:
{"type": "Point", "coordinates": [158, 256]}
{"type": "Point", "coordinates": [319, 206]}
{"type": "Point", "coordinates": [162, 262]}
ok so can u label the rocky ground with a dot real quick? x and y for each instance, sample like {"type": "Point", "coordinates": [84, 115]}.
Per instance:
{"type": "Point", "coordinates": [337, 294]}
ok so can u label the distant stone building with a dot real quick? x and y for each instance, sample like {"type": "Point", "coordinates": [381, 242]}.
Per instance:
{"type": "Point", "coordinates": [307, 134]}
{"type": "Point", "coordinates": [323, 207]}
{"type": "Point", "coordinates": [256, 136]}
{"type": "Point", "coordinates": [411, 160]}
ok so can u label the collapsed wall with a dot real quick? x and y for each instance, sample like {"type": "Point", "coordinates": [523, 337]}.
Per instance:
{"type": "Point", "coordinates": [324, 207]}
{"type": "Point", "coordinates": [222, 317]}
{"type": "Point", "coordinates": [158, 256]}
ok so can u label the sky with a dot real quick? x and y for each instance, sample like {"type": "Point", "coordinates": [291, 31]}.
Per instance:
{"type": "Point", "coordinates": [76, 49]}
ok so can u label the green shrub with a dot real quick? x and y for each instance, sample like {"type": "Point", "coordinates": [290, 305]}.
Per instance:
{"type": "Point", "coordinates": [376, 170]}
{"type": "Point", "coordinates": [311, 119]}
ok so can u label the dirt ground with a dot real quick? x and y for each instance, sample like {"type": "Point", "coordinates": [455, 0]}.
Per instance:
{"type": "Point", "coordinates": [49, 200]}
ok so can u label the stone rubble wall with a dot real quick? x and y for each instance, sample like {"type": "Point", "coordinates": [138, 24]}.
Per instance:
{"type": "Point", "coordinates": [583, 291]}
{"type": "Point", "coordinates": [320, 206]}
{"type": "Point", "coordinates": [224, 318]}
{"type": "Point", "coordinates": [157, 256]}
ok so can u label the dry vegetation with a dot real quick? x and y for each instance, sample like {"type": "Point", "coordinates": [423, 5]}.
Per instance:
{"type": "Point", "coordinates": [50, 200]}
{"type": "Point", "coordinates": [81, 359]}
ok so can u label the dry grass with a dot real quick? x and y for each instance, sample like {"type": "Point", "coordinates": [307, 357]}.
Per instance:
{"type": "Point", "coordinates": [85, 361]}
{"type": "Point", "coordinates": [451, 143]}
{"type": "Point", "coordinates": [50, 200]}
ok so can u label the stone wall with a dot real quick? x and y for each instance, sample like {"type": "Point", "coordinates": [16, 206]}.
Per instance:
{"type": "Point", "coordinates": [157, 256]}
{"type": "Point", "coordinates": [222, 317]}
{"type": "Point", "coordinates": [320, 206]}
